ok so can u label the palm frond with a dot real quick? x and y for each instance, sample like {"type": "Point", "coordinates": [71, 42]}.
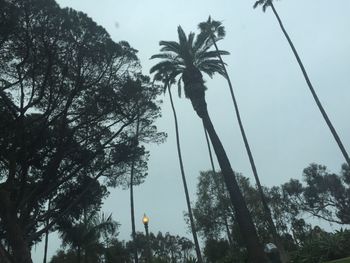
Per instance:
{"type": "Point", "coordinates": [182, 37]}
{"type": "Point", "coordinates": [208, 43]}
{"type": "Point", "coordinates": [200, 41]}
{"type": "Point", "coordinates": [264, 3]}
{"type": "Point", "coordinates": [221, 32]}
{"type": "Point", "coordinates": [191, 39]}
{"type": "Point", "coordinates": [168, 55]}
{"type": "Point", "coordinates": [210, 67]}
{"type": "Point", "coordinates": [164, 66]}
{"type": "Point", "coordinates": [170, 46]}
{"type": "Point", "coordinates": [179, 87]}
{"type": "Point", "coordinates": [212, 54]}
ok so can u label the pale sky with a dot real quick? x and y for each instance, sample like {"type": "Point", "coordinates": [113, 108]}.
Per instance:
{"type": "Point", "coordinates": [284, 127]}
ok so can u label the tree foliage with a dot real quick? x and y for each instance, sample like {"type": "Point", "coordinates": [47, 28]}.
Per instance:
{"type": "Point", "coordinates": [323, 195]}
{"type": "Point", "coordinates": [69, 97]}
{"type": "Point", "coordinates": [164, 248]}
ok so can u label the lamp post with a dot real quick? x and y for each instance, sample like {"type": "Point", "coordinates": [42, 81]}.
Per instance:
{"type": "Point", "coordinates": [145, 221]}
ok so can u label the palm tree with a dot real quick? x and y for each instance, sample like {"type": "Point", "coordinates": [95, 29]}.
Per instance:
{"type": "Point", "coordinates": [162, 76]}
{"type": "Point", "coordinates": [269, 3]}
{"type": "Point", "coordinates": [186, 60]}
{"type": "Point", "coordinates": [85, 236]}
{"type": "Point", "coordinates": [132, 210]}
{"type": "Point", "coordinates": [214, 30]}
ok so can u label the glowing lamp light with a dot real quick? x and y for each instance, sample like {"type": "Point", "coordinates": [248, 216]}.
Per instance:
{"type": "Point", "coordinates": [145, 219]}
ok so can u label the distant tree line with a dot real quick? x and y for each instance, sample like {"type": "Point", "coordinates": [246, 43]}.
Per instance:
{"type": "Point", "coordinates": [322, 194]}
{"type": "Point", "coordinates": [95, 241]}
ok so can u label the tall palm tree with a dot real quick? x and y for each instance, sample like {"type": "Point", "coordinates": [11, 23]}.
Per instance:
{"type": "Point", "coordinates": [164, 77]}
{"type": "Point", "coordinates": [269, 3]}
{"type": "Point", "coordinates": [132, 209]}
{"type": "Point", "coordinates": [214, 30]}
{"type": "Point", "coordinates": [186, 60]}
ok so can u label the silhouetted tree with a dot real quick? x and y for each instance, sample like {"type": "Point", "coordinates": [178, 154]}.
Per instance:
{"type": "Point", "coordinates": [66, 118]}
{"type": "Point", "coordinates": [269, 3]}
{"type": "Point", "coordinates": [144, 133]}
{"type": "Point", "coordinates": [84, 236]}
{"type": "Point", "coordinates": [326, 195]}
{"type": "Point", "coordinates": [187, 58]}
{"type": "Point", "coordinates": [214, 30]}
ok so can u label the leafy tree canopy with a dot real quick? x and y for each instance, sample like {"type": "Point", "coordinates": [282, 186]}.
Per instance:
{"type": "Point", "coordinates": [69, 101]}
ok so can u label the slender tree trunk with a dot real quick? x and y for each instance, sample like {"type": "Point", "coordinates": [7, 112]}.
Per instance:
{"type": "Point", "coordinates": [20, 248]}
{"type": "Point", "coordinates": [46, 235]}
{"type": "Point", "coordinates": [14, 232]}
{"type": "Point", "coordinates": [133, 228]}
{"type": "Point", "coordinates": [267, 211]}
{"type": "Point", "coordinates": [244, 220]}
{"type": "Point", "coordinates": [84, 248]}
{"type": "Point", "coordinates": [5, 257]}
{"type": "Point", "coordinates": [85, 257]}
{"type": "Point", "coordinates": [219, 192]}
{"type": "Point", "coordinates": [188, 202]}
{"type": "Point", "coordinates": [209, 150]}
{"type": "Point", "coordinates": [320, 107]}
{"type": "Point", "coordinates": [79, 254]}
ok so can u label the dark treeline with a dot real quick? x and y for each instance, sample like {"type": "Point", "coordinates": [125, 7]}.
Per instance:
{"type": "Point", "coordinates": [162, 248]}
{"type": "Point", "coordinates": [321, 195]}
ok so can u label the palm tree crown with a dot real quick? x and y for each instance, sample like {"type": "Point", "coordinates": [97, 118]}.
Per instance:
{"type": "Point", "coordinates": [212, 28]}
{"type": "Point", "coordinates": [186, 59]}
{"type": "Point", "coordinates": [264, 3]}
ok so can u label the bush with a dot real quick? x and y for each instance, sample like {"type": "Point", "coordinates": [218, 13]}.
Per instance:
{"type": "Point", "coordinates": [325, 247]}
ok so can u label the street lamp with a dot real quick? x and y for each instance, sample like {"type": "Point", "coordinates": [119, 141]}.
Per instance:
{"type": "Point", "coordinates": [145, 221]}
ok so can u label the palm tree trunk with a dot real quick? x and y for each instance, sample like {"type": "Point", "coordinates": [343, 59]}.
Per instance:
{"type": "Point", "coordinates": [5, 256]}
{"type": "Point", "coordinates": [79, 254]}
{"type": "Point", "coordinates": [15, 235]}
{"type": "Point", "coordinates": [84, 248]}
{"type": "Point", "coordinates": [193, 228]}
{"type": "Point", "coordinates": [244, 220]}
{"type": "Point", "coordinates": [47, 235]}
{"type": "Point", "coordinates": [133, 228]}
{"type": "Point", "coordinates": [320, 107]}
{"type": "Point", "coordinates": [209, 150]}
{"type": "Point", "coordinates": [267, 211]}
{"type": "Point", "coordinates": [219, 192]}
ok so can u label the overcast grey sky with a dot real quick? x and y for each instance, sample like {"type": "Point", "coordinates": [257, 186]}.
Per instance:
{"type": "Point", "coordinates": [284, 127]}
